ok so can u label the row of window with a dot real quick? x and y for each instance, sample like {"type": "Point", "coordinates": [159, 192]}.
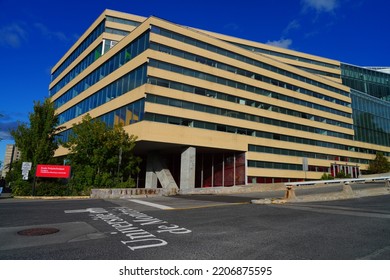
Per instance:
{"type": "Point", "coordinates": [373, 89]}
{"type": "Point", "coordinates": [91, 38]}
{"type": "Point", "coordinates": [261, 134]}
{"type": "Point", "coordinates": [123, 56]}
{"type": "Point", "coordinates": [224, 52]}
{"type": "Point", "coordinates": [319, 72]}
{"type": "Point", "coordinates": [125, 115]}
{"type": "Point", "coordinates": [285, 166]}
{"type": "Point", "coordinates": [88, 60]}
{"type": "Point", "coordinates": [239, 115]}
{"type": "Point", "coordinates": [288, 56]}
{"type": "Point", "coordinates": [82, 47]}
{"type": "Point", "coordinates": [372, 82]}
{"type": "Point", "coordinates": [123, 21]}
{"type": "Point", "coordinates": [271, 180]}
{"type": "Point", "coordinates": [247, 102]}
{"type": "Point", "coordinates": [241, 86]}
{"type": "Point", "coordinates": [108, 44]}
{"type": "Point", "coordinates": [117, 88]}
{"type": "Point", "coordinates": [117, 31]}
{"type": "Point", "coordinates": [274, 165]}
{"type": "Point", "coordinates": [368, 75]}
{"type": "Point", "coordinates": [295, 153]}
{"type": "Point", "coordinates": [242, 72]}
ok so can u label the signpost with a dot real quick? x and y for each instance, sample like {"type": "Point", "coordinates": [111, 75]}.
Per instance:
{"type": "Point", "coordinates": [305, 165]}
{"type": "Point", "coordinates": [26, 167]}
{"type": "Point", "coordinates": [51, 171]}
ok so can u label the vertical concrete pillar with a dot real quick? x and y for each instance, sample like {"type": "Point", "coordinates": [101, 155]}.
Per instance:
{"type": "Point", "coordinates": [187, 169]}
{"type": "Point", "coordinates": [234, 169]}
{"type": "Point", "coordinates": [347, 189]}
{"type": "Point", "coordinates": [201, 173]}
{"type": "Point", "coordinates": [290, 193]}
{"type": "Point", "coordinates": [151, 176]}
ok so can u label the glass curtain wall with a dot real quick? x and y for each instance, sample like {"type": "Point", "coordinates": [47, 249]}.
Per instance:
{"type": "Point", "coordinates": [371, 117]}
{"type": "Point", "coordinates": [372, 82]}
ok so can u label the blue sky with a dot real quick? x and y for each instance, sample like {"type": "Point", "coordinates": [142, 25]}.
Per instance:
{"type": "Point", "coordinates": [35, 34]}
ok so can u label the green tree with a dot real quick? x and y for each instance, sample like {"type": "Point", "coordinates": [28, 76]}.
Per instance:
{"type": "Point", "coordinates": [379, 165]}
{"type": "Point", "coordinates": [37, 144]}
{"type": "Point", "coordinates": [101, 156]}
{"type": "Point", "coordinates": [36, 140]}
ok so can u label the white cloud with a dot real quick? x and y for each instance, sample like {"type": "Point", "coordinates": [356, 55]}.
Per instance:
{"type": "Point", "coordinates": [46, 32]}
{"type": "Point", "coordinates": [6, 127]}
{"type": "Point", "coordinates": [282, 43]}
{"type": "Point", "coordinates": [12, 35]}
{"type": "Point", "coordinates": [5, 135]}
{"type": "Point", "coordinates": [320, 5]}
{"type": "Point", "coordinates": [293, 25]}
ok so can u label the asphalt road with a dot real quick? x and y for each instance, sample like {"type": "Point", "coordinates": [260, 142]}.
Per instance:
{"type": "Point", "coordinates": [195, 228]}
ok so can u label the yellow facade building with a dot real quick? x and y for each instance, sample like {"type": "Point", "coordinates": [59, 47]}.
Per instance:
{"type": "Point", "coordinates": [209, 109]}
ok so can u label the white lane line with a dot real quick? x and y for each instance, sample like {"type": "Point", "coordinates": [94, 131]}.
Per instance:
{"type": "Point", "coordinates": [155, 205]}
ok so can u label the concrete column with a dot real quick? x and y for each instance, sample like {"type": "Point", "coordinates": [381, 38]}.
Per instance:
{"type": "Point", "coordinates": [187, 169]}
{"type": "Point", "coordinates": [234, 169]}
{"type": "Point", "coordinates": [290, 193]}
{"type": "Point", "coordinates": [202, 172]}
{"type": "Point", "coordinates": [347, 189]}
{"type": "Point", "coordinates": [151, 177]}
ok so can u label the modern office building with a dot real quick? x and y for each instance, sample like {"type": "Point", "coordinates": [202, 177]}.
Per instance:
{"type": "Point", "coordinates": [214, 110]}
{"type": "Point", "coordinates": [11, 155]}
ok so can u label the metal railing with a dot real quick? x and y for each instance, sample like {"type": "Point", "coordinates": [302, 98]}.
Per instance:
{"type": "Point", "coordinates": [338, 181]}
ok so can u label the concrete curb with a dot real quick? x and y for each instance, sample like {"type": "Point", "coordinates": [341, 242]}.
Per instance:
{"type": "Point", "coordinates": [50, 197]}
{"type": "Point", "coordinates": [5, 195]}
{"type": "Point", "coordinates": [125, 193]}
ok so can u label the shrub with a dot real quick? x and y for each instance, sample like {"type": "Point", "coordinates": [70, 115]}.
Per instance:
{"type": "Point", "coordinates": [327, 176]}
{"type": "Point", "coordinates": [342, 175]}
{"type": "Point", "coordinates": [21, 188]}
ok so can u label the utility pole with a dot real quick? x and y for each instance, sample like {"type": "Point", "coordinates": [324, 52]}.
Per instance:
{"type": "Point", "coordinates": [119, 161]}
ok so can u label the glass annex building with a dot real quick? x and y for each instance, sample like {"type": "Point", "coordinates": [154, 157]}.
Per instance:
{"type": "Point", "coordinates": [212, 110]}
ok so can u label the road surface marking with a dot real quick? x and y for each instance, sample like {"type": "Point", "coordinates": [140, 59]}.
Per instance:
{"type": "Point", "coordinates": [336, 211]}
{"type": "Point", "coordinates": [376, 254]}
{"type": "Point", "coordinates": [155, 205]}
{"type": "Point", "coordinates": [209, 206]}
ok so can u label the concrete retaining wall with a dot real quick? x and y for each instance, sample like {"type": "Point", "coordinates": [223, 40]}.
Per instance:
{"type": "Point", "coordinates": [236, 189]}
{"type": "Point", "coordinates": [132, 192]}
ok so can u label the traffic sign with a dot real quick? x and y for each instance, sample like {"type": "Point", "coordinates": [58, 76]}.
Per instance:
{"type": "Point", "coordinates": [26, 167]}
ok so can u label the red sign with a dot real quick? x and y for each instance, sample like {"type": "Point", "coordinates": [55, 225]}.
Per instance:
{"type": "Point", "coordinates": [53, 171]}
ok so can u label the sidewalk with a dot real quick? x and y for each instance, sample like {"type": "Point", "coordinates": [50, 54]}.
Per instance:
{"type": "Point", "coordinates": [5, 195]}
